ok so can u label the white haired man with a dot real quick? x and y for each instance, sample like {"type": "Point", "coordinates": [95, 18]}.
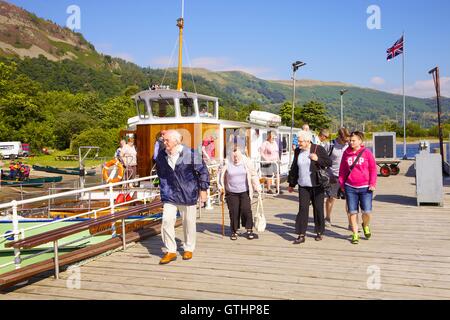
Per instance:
{"type": "Point", "coordinates": [183, 177]}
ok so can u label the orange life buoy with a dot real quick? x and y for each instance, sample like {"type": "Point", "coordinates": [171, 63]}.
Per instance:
{"type": "Point", "coordinates": [120, 171]}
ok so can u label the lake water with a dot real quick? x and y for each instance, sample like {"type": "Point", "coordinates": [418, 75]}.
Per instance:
{"type": "Point", "coordinates": [413, 148]}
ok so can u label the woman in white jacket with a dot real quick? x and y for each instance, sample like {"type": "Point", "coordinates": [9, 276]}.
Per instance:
{"type": "Point", "coordinates": [238, 179]}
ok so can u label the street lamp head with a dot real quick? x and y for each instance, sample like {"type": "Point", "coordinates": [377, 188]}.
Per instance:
{"type": "Point", "coordinates": [298, 64]}
{"type": "Point", "coordinates": [343, 92]}
{"type": "Point", "coordinates": [433, 70]}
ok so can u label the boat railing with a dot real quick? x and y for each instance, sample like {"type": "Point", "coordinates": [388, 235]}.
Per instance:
{"type": "Point", "coordinates": [17, 233]}
{"type": "Point", "coordinates": [263, 179]}
{"type": "Point", "coordinates": [213, 193]}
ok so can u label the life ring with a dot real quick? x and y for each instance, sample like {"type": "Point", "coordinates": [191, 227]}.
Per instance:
{"type": "Point", "coordinates": [120, 171]}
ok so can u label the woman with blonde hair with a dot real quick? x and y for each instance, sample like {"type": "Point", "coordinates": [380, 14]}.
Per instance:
{"type": "Point", "coordinates": [238, 180]}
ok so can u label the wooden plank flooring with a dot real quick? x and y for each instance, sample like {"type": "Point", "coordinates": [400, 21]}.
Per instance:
{"type": "Point", "coordinates": [410, 248]}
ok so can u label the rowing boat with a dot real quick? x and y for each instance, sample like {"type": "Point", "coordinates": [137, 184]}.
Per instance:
{"type": "Point", "coordinates": [70, 171]}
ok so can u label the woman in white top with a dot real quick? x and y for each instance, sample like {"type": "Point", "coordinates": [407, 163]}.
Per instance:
{"type": "Point", "coordinates": [238, 179]}
{"type": "Point", "coordinates": [269, 155]}
{"type": "Point", "coordinates": [129, 158]}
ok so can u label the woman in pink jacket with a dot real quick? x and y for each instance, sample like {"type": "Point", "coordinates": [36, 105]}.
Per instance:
{"type": "Point", "coordinates": [358, 178]}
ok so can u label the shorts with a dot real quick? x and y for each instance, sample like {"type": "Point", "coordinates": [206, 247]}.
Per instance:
{"type": "Point", "coordinates": [268, 169]}
{"type": "Point", "coordinates": [358, 198]}
{"type": "Point", "coordinates": [334, 188]}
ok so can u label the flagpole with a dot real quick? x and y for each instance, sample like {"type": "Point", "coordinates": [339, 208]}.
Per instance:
{"type": "Point", "coordinates": [404, 100]}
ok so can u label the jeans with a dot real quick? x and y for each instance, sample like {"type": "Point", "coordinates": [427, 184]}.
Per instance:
{"type": "Point", "coordinates": [358, 198]}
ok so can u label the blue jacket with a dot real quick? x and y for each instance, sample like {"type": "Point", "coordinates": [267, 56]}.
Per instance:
{"type": "Point", "coordinates": [182, 185]}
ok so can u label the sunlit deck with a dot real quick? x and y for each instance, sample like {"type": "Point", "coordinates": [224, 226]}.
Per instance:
{"type": "Point", "coordinates": [410, 248]}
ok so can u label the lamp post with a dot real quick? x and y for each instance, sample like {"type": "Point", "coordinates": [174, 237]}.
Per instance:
{"type": "Point", "coordinates": [342, 106]}
{"type": "Point", "coordinates": [437, 85]}
{"type": "Point", "coordinates": [295, 66]}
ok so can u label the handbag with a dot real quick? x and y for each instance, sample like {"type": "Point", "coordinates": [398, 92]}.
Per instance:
{"type": "Point", "coordinates": [340, 194]}
{"type": "Point", "coordinates": [259, 221]}
{"type": "Point", "coordinates": [323, 177]}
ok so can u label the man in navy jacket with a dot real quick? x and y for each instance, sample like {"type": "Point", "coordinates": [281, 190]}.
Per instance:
{"type": "Point", "coordinates": [183, 177]}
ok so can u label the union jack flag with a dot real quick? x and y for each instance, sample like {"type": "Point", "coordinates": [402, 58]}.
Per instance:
{"type": "Point", "coordinates": [395, 50]}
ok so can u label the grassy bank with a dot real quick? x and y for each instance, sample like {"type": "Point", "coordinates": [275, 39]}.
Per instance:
{"type": "Point", "coordinates": [49, 160]}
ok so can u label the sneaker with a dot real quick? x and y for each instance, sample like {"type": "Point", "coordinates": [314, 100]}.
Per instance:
{"type": "Point", "coordinates": [250, 235]}
{"type": "Point", "coordinates": [233, 236]}
{"type": "Point", "coordinates": [327, 222]}
{"type": "Point", "coordinates": [355, 238]}
{"type": "Point", "coordinates": [367, 232]}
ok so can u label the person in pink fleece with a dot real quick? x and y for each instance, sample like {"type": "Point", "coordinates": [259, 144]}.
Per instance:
{"type": "Point", "coordinates": [358, 183]}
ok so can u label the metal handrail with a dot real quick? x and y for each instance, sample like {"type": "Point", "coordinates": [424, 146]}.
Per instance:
{"type": "Point", "coordinates": [277, 164]}
{"type": "Point", "coordinates": [15, 219]}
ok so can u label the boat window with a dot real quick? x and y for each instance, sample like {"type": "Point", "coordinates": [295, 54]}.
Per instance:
{"type": "Point", "coordinates": [142, 109]}
{"type": "Point", "coordinates": [207, 108]}
{"type": "Point", "coordinates": [162, 108]}
{"type": "Point", "coordinates": [284, 143]}
{"type": "Point", "coordinates": [187, 107]}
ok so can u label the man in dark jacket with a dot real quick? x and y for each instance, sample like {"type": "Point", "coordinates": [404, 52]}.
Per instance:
{"type": "Point", "coordinates": [183, 177]}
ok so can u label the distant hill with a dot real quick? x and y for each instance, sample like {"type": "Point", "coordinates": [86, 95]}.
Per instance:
{"type": "Point", "coordinates": [313, 83]}
{"type": "Point", "coordinates": [26, 35]}
{"type": "Point", "coordinates": [60, 59]}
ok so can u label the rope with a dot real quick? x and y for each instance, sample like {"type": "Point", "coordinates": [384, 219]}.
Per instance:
{"type": "Point", "coordinates": [190, 66]}
{"type": "Point", "coordinates": [170, 62]}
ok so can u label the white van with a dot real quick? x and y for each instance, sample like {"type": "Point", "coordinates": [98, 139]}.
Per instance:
{"type": "Point", "coordinates": [11, 150]}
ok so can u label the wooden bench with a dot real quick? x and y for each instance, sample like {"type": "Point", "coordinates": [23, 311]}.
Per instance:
{"type": "Point", "coordinates": [20, 275]}
{"type": "Point", "coordinates": [60, 233]}
{"type": "Point", "coordinates": [67, 158]}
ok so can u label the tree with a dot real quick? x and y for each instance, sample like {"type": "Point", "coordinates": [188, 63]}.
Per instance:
{"type": "Point", "coordinates": [18, 109]}
{"type": "Point", "coordinates": [107, 140]}
{"type": "Point", "coordinates": [68, 125]}
{"type": "Point", "coordinates": [286, 113]}
{"type": "Point", "coordinates": [38, 135]}
{"type": "Point", "coordinates": [6, 71]}
{"type": "Point", "coordinates": [314, 114]}
{"type": "Point", "coordinates": [227, 113]}
{"type": "Point", "coordinates": [244, 112]}
{"type": "Point", "coordinates": [117, 111]}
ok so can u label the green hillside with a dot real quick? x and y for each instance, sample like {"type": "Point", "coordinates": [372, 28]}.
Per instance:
{"type": "Point", "coordinates": [57, 91]}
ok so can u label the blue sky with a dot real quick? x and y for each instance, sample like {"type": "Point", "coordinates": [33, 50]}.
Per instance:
{"type": "Point", "coordinates": [265, 37]}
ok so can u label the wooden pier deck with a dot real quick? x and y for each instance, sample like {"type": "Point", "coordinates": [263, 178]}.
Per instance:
{"type": "Point", "coordinates": [410, 250]}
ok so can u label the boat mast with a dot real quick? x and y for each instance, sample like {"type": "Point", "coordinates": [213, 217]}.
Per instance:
{"type": "Point", "coordinates": [180, 25]}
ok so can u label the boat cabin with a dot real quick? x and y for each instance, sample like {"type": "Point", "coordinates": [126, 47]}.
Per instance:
{"type": "Point", "coordinates": [196, 117]}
